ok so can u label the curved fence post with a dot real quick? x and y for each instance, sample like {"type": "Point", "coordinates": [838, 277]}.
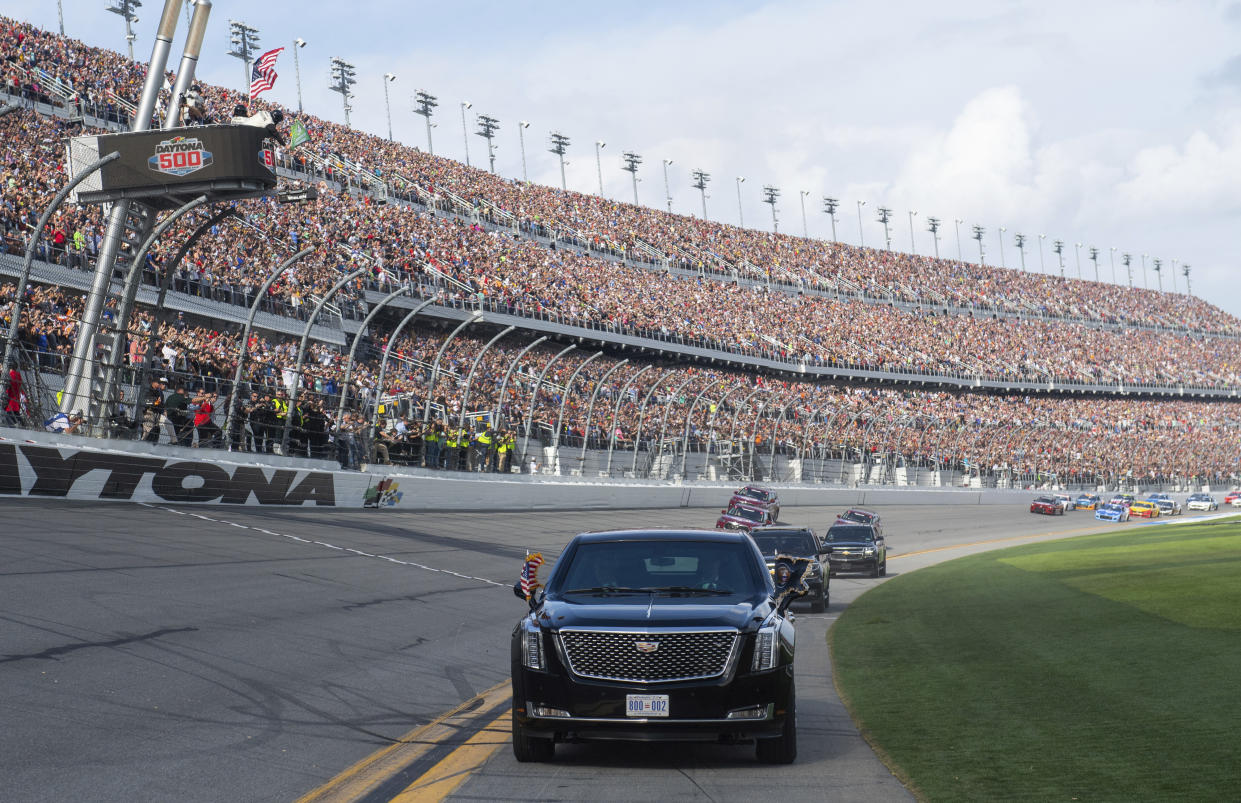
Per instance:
{"type": "Point", "coordinates": [565, 398]}
{"type": "Point", "coordinates": [473, 317]}
{"type": "Point", "coordinates": [383, 363]}
{"type": "Point", "coordinates": [775, 438]}
{"type": "Point", "coordinates": [353, 348]}
{"type": "Point", "coordinates": [590, 409]}
{"type": "Point", "coordinates": [732, 430]}
{"type": "Point", "coordinates": [245, 334]}
{"type": "Point", "coordinates": [663, 422]}
{"type": "Point", "coordinates": [637, 438]}
{"type": "Point", "coordinates": [689, 419]}
{"type": "Point", "coordinates": [301, 355]}
{"type": "Point", "coordinates": [620, 397]}
{"type": "Point", "coordinates": [469, 382]}
{"type": "Point", "coordinates": [23, 279]}
{"type": "Point", "coordinates": [497, 414]}
{"type": "Point", "coordinates": [534, 398]}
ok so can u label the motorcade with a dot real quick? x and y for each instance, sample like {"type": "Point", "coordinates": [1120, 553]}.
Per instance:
{"type": "Point", "coordinates": [1144, 510]}
{"type": "Point", "coordinates": [1201, 501]}
{"type": "Point", "coordinates": [856, 547]}
{"type": "Point", "coordinates": [1112, 511]}
{"type": "Point", "coordinates": [657, 636]}
{"type": "Point", "coordinates": [758, 496]}
{"type": "Point", "coordinates": [1087, 502]}
{"type": "Point", "coordinates": [1047, 505]}
{"type": "Point", "coordinates": [1167, 505]}
{"type": "Point", "coordinates": [744, 517]}
{"type": "Point", "coordinates": [801, 542]}
{"type": "Point", "coordinates": [1065, 501]}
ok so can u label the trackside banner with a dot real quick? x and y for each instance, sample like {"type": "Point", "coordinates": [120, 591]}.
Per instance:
{"type": "Point", "coordinates": [49, 471]}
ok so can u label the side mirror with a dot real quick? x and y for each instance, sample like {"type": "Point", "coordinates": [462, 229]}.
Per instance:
{"type": "Point", "coordinates": [517, 592]}
{"type": "Point", "coordinates": [723, 512]}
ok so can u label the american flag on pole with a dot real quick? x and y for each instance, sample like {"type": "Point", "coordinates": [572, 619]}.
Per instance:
{"type": "Point", "coordinates": [263, 77]}
{"type": "Point", "coordinates": [530, 573]}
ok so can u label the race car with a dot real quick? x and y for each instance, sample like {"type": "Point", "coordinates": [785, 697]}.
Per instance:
{"type": "Point", "coordinates": [1066, 501]}
{"type": "Point", "coordinates": [1201, 502]}
{"type": "Point", "coordinates": [1112, 512]}
{"type": "Point", "coordinates": [1124, 499]}
{"type": "Point", "coordinates": [1233, 498]}
{"type": "Point", "coordinates": [1144, 510]}
{"type": "Point", "coordinates": [1167, 505]}
{"type": "Point", "coordinates": [1088, 502]}
{"type": "Point", "coordinates": [757, 496]}
{"type": "Point", "coordinates": [1047, 505]}
{"type": "Point", "coordinates": [744, 517]}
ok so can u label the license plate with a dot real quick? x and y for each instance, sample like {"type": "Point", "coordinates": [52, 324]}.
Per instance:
{"type": "Point", "coordinates": [646, 705]}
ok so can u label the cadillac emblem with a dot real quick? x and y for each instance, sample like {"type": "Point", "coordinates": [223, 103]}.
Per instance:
{"type": "Point", "coordinates": [646, 646]}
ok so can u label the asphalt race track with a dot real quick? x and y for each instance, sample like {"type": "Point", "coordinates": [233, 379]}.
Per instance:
{"type": "Point", "coordinates": [240, 654]}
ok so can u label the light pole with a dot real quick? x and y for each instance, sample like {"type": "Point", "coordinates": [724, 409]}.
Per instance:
{"type": "Point", "coordinates": [885, 215]}
{"type": "Point", "coordinates": [298, 44]}
{"type": "Point", "coordinates": [1020, 240]}
{"type": "Point", "coordinates": [1058, 248]}
{"type": "Point", "coordinates": [667, 194]}
{"type": "Point", "coordinates": [740, 214]}
{"type": "Point", "coordinates": [958, 221]}
{"type": "Point", "coordinates": [1042, 266]}
{"type": "Point", "coordinates": [521, 141]}
{"type": "Point", "coordinates": [487, 127]}
{"type": "Point", "coordinates": [830, 205]}
{"type": "Point", "coordinates": [388, 78]}
{"type": "Point", "coordinates": [1185, 272]}
{"type": "Point", "coordinates": [1174, 274]}
{"type": "Point", "coordinates": [913, 245]}
{"type": "Point", "coordinates": [861, 238]}
{"type": "Point", "coordinates": [770, 194]}
{"type": "Point", "coordinates": [344, 75]}
{"type": "Point", "coordinates": [1158, 265]}
{"type": "Point", "coordinates": [60, 14]}
{"type": "Point", "coordinates": [1127, 261]}
{"type": "Point", "coordinates": [1094, 257]}
{"type": "Point", "coordinates": [599, 146]}
{"type": "Point", "coordinates": [125, 8]}
{"type": "Point", "coordinates": [805, 231]}
{"type": "Point", "coordinates": [425, 103]}
{"type": "Point", "coordinates": [1002, 231]}
{"type": "Point", "coordinates": [560, 144]}
{"type": "Point", "coordinates": [700, 183]}
{"type": "Point", "coordinates": [465, 134]}
{"type": "Point", "coordinates": [632, 160]}
{"type": "Point", "coordinates": [1111, 257]}
{"type": "Point", "coordinates": [979, 231]}
{"type": "Point", "coordinates": [244, 40]}
{"type": "Point", "coordinates": [1145, 284]}
{"type": "Point", "coordinates": [932, 225]}
{"type": "Point", "coordinates": [1077, 250]}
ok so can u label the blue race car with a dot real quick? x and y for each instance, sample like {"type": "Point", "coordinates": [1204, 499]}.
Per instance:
{"type": "Point", "coordinates": [1112, 512]}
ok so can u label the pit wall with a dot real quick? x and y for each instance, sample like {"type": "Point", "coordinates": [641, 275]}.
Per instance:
{"type": "Point", "coordinates": [47, 465]}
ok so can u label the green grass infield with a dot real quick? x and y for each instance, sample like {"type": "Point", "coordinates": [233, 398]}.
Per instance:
{"type": "Point", "coordinates": [1103, 667]}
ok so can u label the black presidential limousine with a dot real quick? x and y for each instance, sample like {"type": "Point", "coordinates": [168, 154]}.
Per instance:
{"type": "Point", "coordinates": [658, 635]}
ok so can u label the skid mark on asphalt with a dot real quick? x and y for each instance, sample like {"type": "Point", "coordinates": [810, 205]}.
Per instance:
{"type": "Point", "coordinates": [326, 545]}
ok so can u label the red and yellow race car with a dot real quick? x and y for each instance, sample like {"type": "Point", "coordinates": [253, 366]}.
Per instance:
{"type": "Point", "coordinates": [1144, 510]}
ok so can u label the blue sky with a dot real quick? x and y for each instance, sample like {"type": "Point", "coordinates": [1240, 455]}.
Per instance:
{"type": "Point", "coordinates": [1112, 124]}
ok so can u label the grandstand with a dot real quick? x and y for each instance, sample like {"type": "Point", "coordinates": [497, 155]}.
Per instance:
{"type": "Point", "coordinates": [757, 353]}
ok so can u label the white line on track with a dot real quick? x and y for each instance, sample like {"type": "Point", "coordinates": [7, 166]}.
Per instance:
{"type": "Point", "coordinates": [358, 552]}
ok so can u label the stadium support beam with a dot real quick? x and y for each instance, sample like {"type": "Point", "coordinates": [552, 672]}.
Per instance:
{"type": "Point", "coordinates": [189, 62]}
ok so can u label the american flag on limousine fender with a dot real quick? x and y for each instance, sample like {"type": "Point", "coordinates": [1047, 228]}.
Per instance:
{"type": "Point", "coordinates": [530, 573]}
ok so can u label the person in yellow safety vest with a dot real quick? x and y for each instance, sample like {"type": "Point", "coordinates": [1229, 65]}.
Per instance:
{"type": "Point", "coordinates": [482, 456]}
{"type": "Point", "coordinates": [463, 445]}
{"type": "Point", "coordinates": [504, 452]}
{"type": "Point", "coordinates": [280, 405]}
{"type": "Point", "coordinates": [431, 439]}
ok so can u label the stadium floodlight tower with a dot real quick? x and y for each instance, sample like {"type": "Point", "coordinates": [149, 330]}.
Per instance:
{"type": "Point", "coordinates": [1094, 257]}
{"type": "Point", "coordinates": [861, 238]}
{"type": "Point", "coordinates": [344, 77]}
{"type": "Point", "coordinates": [388, 78]}
{"type": "Point", "coordinates": [805, 230]}
{"type": "Point", "coordinates": [1185, 273]}
{"type": "Point", "coordinates": [1127, 261]}
{"type": "Point", "coordinates": [885, 215]}
{"type": "Point", "coordinates": [1002, 231]}
{"type": "Point", "coordinates": [298, 44]}
{"type": "Point", "coordinates": [1020, 241]}
{"type": "Point", "coordinates": [632, 160]}
{"type": "Point", "coordinates": [700, 183]}
{"type": "Point", "coordinates": [1077, 248]}
{"type": "Point", "coordinates": [913, 244]}
{"type": "Point", "coordinates": [740, 214]}
{"type": "Point", "coordinates": [1157, 264]}
{"type": "Point", "coordinates": [465, 134]}
{"type": "Point", "coordinates": [667, 193]}
{"type": "Point", "coordinates": [599, 146]}
{"type": "Point", "coordinates": [125, 8]}
{"type": "Point", "coordinates": [830, 205]}
{"type": "Point", "coordinates": [979, 231]}
{"type": "Point", "coordinates": [487, 128]}
{"type": "Point", "coordinates": [1174, 274]}
{"type": "Point", "coordinates": [560, 146]}
{"type": "Point", "coordinates": [932, 225]}
{"type": "Point", "coordinates": [521, 143]}
{"type": "Point", "coordinates": [425, 103]}
{"type": "Point", "coordinates": [1111, 258]}
{"type": "Point", "coordinates": [243, 40]}
{"type": "Point", "coordinates": [1057, 248]}
{"type": "Point", "coordinates": [770, 194]}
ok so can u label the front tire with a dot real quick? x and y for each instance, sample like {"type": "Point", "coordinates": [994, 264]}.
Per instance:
{"type": "Point", "coordinates": [783, 748]}
{"type": "Point", "coordinates": [530, 748]}
{"type": "Point", "coordinates": [874, 572]}
{"type": "Point", "coordinates": [819, 603]}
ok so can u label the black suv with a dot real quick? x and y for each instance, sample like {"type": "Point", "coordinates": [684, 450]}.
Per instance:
{"type": "Point", "coordinates": [657, 635]}
{"type": "Point", "coordinates": [798, 542]}
{"type": "Point", "coordinates": [856, 547]}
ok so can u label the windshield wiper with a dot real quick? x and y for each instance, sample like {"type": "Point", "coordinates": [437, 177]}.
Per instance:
{"type": "Point", "coordinates": [607, 590]}
{"type": "Point", "coordinates": [690, 590]}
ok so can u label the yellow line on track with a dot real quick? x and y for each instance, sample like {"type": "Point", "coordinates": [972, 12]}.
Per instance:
{"type": "Point", "coordinates": [440, 781]}
{"type": "Point", "coordinates": [375, 769]}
